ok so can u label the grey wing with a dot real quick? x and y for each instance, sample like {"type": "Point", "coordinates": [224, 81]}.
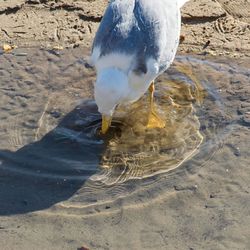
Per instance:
{"type": "Point", "coordinates": [107, 25]}
{"type": "Point", "coordinates": [137, 36]}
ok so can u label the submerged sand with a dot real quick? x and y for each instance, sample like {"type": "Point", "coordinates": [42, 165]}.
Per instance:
{"type": "Point", "coordinates": [46, 204]}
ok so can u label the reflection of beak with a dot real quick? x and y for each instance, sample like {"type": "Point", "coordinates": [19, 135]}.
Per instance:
{"type": "Point", "coordinates": [106, 122]}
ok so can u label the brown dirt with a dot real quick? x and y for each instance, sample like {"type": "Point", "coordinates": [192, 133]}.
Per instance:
{"type": "Point", "coordinates": [223, 27]}
{"type": "Point", "coordinates": [204, 204]}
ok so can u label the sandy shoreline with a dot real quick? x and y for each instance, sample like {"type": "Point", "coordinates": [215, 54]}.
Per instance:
{"type": "Point", "coordinates": [204, 204]}
{"type": "Point", "coordinates": [222, 25]}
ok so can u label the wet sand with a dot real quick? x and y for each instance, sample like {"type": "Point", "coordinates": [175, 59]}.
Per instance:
{"type": "Point", "coordinates": [55, 190]}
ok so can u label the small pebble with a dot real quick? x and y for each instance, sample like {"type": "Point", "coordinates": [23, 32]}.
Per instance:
{"type": "Point", "coordinates": [55, 114]}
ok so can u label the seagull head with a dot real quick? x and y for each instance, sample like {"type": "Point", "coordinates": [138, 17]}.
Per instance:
{"type": "Point", "coordinates": [111, 89]}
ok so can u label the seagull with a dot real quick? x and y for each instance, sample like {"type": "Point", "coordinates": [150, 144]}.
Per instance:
{"type": "Point", "coordinates": [136, 42]}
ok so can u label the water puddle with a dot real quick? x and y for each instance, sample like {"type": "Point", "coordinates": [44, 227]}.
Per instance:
{"type": "Point", "coordinates": [138, 152]}
{"type": "Point", "coordinates": [49, 131]}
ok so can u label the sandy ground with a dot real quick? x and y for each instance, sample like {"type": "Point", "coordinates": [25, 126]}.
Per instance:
{"type": "Point", "coordinates": [202, 205]}
{"type": "Point", "coordinates": [222, 25]}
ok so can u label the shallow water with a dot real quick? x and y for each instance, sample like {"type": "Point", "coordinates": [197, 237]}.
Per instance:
{"type": "Point", "coordinates": [50, 141]}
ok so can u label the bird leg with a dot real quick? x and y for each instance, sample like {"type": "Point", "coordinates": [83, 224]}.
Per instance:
{"type": "Point", "coordinates": [154, 121]}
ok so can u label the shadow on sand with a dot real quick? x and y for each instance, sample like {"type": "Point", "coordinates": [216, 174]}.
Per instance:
{"type": "Point", "coordinates": [52, 169]}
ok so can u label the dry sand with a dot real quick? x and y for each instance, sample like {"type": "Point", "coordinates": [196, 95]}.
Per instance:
{"type": "Point", "coordinates": [195, 207]}
{"type": "Point", "coordinates": [71, 23]}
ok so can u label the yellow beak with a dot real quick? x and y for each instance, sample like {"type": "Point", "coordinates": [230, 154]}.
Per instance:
{"type": "Point", "coordinates": [106, 122]}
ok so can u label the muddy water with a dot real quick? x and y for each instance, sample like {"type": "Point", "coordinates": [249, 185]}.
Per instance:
{"type": "Point", "coordinates": [51, 151]}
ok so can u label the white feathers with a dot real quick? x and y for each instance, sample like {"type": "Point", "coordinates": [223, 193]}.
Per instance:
{"type": "Point", "coordinates": [115, 59]}
{"type": "Point", "coordinates": [181, 2]}
{"type": "Point", "coordinates": [139, 84]}
{"type": "Point", "coordinates": [110, 88]}
{"type": "Point", "coordinates": [120, 78]}
{"type": "Point", "coordinates": [116, 84]}
{"type": "Point", "coordinates": [126, 7]}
